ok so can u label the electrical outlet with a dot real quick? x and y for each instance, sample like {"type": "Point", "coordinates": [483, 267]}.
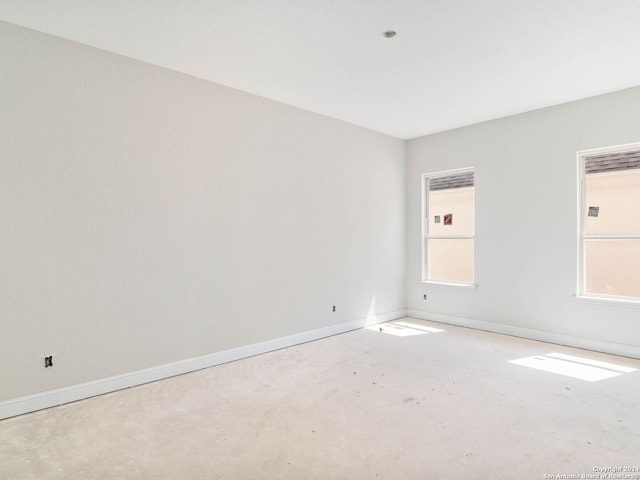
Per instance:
{"type": "Point", "coordinates": [334, 308]}
{"type": "Point", "coordinates": [425, 296]}
{"type": "Point", "coordinates": [48, 361]}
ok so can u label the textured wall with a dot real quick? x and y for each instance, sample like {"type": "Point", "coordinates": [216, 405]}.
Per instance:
{"type": "Point", "coordinates": [149, 217]}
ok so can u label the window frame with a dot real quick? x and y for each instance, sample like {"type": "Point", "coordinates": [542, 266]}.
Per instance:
{"type": "Point", "coordinates": [581, 290]}
{"type": "Point", "coordinates": [425, 228]}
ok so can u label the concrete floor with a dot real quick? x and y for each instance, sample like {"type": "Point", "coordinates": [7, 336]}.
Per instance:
{"type": "Point", "coordinates": [363, 405]}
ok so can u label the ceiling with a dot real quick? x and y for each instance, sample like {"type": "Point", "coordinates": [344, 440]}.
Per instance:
{"type": "Point", "coordinates": [452, 62]}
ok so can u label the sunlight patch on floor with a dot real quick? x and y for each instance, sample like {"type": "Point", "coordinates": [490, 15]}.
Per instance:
{"type": "Point", "coordinates": [404, 329]}
{"type": "Point", "coordinates": [571, 366]}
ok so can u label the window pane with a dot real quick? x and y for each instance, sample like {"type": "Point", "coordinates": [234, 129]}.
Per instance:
{"type": "Point", "coordinates": [612, 202]}
{"type": "Point", "coordinates": [450, 260]}
{"type": "Point", "coordinates": [612, 267]}
{"type": "Point", "coordinates": [451, 211]}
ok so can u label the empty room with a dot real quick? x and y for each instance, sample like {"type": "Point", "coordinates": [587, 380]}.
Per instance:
{"type": "Point", "coordinates": [304, 239]}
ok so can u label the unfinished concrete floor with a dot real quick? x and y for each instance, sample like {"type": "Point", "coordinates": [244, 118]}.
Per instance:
{"type": "Point", "coordinates": [363, 405]}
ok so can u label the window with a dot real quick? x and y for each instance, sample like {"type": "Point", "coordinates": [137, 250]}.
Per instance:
{"type": "Point", "coordinates": [448, 227]}
{"type": "Point", "coordinates": [609, 240]}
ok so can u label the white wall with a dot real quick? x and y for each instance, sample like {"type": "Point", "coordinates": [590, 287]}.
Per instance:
{"type": "Point", "coordinates": [148, 217]}
{"type": "Point", "coordinates": [526, 220]}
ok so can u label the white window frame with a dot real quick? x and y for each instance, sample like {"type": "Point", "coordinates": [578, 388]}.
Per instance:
{"type": "Point", "coordinates": [425, 228]}
{"type": "Point", "coordinates": [581, 292]}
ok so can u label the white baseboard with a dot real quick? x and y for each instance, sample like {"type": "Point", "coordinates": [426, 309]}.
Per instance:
{"type": "Point", "coordinates": [51, 398]}
{"type": "Point", "coordinates": [531, 334]}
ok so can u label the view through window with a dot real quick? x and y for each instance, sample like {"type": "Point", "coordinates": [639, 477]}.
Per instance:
{"type": "Point", "coordinates": [610, 217]}
{"type": "Point", "coordinates": [449, 227]}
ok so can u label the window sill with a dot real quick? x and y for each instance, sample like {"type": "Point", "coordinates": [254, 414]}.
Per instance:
{"type": "Point", "coordinates": [609, 301]}
{"type": "Point", "coordinates": [451, 284]}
